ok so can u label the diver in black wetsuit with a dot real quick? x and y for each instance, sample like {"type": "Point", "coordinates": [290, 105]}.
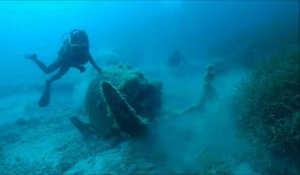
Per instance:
{"type": "Point", "coordinates": [74, 53]}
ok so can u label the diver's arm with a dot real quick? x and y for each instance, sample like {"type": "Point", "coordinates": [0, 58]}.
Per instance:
{"type": "Point", "coordinates": [94, 64]}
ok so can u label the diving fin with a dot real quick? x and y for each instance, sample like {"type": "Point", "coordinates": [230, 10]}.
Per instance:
{"type": "Point", "coordinates": [45, 98]}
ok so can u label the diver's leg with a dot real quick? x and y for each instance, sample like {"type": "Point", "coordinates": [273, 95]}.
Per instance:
{"type": "Point", "coordinates": [44, 100]}
{"type": "Point", "coordinates": [59, 74]}
{"type": "Point", "coordinates": [55, 65]}
{"type": "Point", "coordinates": [46, 69]}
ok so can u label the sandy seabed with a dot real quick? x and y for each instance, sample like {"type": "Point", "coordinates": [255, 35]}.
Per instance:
{"type": "Point", "coordinates": [43, 141]}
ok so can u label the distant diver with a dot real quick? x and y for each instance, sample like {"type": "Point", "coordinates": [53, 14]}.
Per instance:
{"type": "Point", "coordinates": [175, 59]}
{"type": "Point", "coordinates": [73, 53]}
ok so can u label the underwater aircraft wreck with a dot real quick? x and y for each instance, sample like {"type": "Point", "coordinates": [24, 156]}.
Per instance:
{"type": "Point", "coordinates": [120, 100]}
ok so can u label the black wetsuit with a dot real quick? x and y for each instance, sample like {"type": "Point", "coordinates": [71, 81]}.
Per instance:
{"type": "Point", "coordinates": [67, 57]}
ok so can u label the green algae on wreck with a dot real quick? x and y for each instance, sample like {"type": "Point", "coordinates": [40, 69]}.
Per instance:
{"type": "Point", "coordinates": [140, 93]}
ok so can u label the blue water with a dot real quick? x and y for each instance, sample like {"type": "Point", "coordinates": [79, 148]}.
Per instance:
{"type": "Point", "coordinates": [142, 34]}
{"type": "Point", "coordinates": [143, 30]}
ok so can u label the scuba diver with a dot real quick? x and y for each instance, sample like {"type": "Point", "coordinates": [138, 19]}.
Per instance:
{"type": "Point", "coordinates": [175, 59]}
{"type": "Point", "coordinates": [74, 53]}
